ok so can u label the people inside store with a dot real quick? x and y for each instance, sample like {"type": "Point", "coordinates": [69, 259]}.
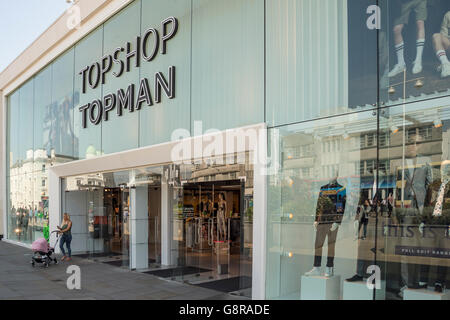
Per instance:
{"type": "Point", "coordinates": [330, 209]}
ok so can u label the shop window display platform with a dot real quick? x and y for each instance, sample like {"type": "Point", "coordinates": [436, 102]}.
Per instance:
{"type": "Point", "coordinates": [320, 288]}
{"type": "Point", "coordinates": [359, 291]}
{"type": "Point", "coordinates": [425, 294]}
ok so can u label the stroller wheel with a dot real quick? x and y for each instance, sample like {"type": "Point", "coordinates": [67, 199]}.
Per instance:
{"type": "Point", "coordinates": [32, 264]}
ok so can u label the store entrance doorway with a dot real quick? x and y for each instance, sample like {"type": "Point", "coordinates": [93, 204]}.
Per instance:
{"type": "Point", "coordinates": [116, 217]}
{"type": "Point", "coordinates": [212, 249]}
{"type": "Point", "coordinates": [114, 227]}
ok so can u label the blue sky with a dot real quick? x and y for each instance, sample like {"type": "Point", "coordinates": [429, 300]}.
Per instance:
{"type": "Point", "coordinates": [22, 21]}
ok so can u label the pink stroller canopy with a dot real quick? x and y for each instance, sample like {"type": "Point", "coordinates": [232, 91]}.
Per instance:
{"type": "Point", "coordinates": [40, 245]}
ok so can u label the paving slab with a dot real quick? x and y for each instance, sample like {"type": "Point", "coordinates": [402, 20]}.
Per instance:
{"type": "Point", "coordinates": [99, 281]}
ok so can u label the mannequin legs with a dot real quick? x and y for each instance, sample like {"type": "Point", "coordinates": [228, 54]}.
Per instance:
{"type": "Point", "coordinates": [323, 231]}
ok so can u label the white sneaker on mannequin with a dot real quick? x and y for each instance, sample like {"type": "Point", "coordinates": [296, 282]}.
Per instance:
{"type": "Point", "coordinates": [401, 292]}
{"type": "Point", "coordinates": [417, 67]}
{"type": "Point", "coordinates": [398, 68]}
{"type": "Point", "coordinates": [329, 272]}
{"type": "Point", "coordinates": [315, 271]}
{"type": "Point", "coordinates": [445, 70]}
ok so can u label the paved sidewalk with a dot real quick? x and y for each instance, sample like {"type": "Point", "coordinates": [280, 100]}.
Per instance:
{"type": "Point", "coordinates": [19, 280]}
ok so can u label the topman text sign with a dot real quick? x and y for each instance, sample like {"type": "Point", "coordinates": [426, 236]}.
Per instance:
{"type": "Point", "coordinates": [146, 47]}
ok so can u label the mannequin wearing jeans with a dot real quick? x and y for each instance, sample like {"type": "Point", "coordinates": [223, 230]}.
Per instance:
{"type": "Point", "coordinates": [329, 212]}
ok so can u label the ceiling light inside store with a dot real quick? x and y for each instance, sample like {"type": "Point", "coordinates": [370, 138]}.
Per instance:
{"type": "Point", "coordinates": [418, 84]}
{"type": "Point", "coordinates": [391, 90]}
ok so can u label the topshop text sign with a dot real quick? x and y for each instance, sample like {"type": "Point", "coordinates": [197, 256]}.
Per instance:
{"type": "Point", "coordinates": [146, 47]}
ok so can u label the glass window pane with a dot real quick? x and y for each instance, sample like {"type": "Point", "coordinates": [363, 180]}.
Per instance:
{"type": "Point", "coordinates": [26, 126]}
{"type": "Point", "coordinates": [158, 122]}
{"type": "Point", "coordinates": [414, 187]}
{"type": "Point", "coordinates": [12, 136]}
{"type": "Point", "coordinates": [42, 112]}
{"type": "Point", "coordinates": [414, 50]}
{"type": "Point", "coordinates": [227, 63]}
{"type": "Point", "coordinates": [89, 138]}
{"type": "Point", "coordinates": [21, 191]}
{"type": "Point", "coordinates": [58, 133]}
{"type": "Point", "coordinates": [121, 132]}
{"type": "Point", "coordinates": [321, 214]}
{"type": "Point", "coordinates": [321, 59]}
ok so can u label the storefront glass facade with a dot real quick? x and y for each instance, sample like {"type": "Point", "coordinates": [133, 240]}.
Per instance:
{"type": "Point", "coordinates": [361, 185]}
{"type": "Point", "coordinates": [119, 219]}
{"type": "Point", "coordinates": [355, 95]}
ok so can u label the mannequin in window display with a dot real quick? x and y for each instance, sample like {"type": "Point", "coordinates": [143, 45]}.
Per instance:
{"type": "Point", "coordinates": [221, 212]}
{"type": "Point", "coordinates": [205, 207]}
{"type": "Point", "coordinates": [418, 178]}
{"type": "Point", "coordinates": [441, 42]}
{"type": "Point", "coordinates": [407, 7]}
{"type": "Point", "coordinates": [436, 225]}
{"type": "Point", "coordinates": [329, 213]}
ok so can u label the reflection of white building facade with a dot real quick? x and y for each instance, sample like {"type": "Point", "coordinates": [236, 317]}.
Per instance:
{"type": "Point", "coordinates": [310, 157]}
{"type": "Point", "coordinates": [29, 179]}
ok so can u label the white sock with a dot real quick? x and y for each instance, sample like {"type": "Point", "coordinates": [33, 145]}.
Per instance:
{"type": "Point", "coordinates": [399, 49]}
{"type": "Point", "coordinates": [420, 45]}
{"type": "Point", "coordinates": [442, 56]}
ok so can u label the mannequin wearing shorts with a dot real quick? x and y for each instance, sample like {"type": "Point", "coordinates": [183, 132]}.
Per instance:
{"type": "Point", "coordinates": [419, 7]}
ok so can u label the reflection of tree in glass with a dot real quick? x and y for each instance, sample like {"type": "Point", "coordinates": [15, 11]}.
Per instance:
{"type": "Point", "coordinates": [297, 199]}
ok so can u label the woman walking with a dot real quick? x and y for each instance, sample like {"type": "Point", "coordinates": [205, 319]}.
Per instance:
{"type": "Point", "coordinates": [66, 237]}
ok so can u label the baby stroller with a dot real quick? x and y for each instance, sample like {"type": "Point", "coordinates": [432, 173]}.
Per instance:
{"type": "Point", "coordinates": [43, 252]}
